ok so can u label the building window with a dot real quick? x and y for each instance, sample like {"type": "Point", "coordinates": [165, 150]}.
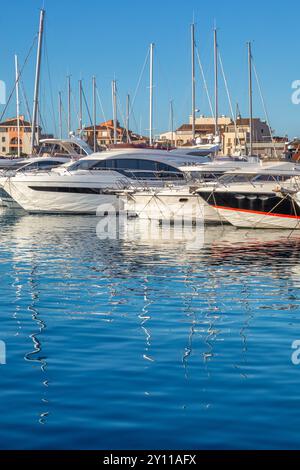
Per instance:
{"type": "Point", "coordinates": [3, 139]}
{"type": "Point", "coordinates": [3, 149]}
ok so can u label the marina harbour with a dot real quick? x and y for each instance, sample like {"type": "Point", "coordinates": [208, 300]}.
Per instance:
{"type": "Point", "coordinates": [149, 233]}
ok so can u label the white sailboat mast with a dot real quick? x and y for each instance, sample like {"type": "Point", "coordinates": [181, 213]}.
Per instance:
{"type": "Point", "coordinates": [18, 105]}
{"type": "Point", "coordinates": [80, 106]}
{"type": "Point", "coordinates": [172, 122]}
{"type": "Point", "coordinates": [60, 115]}
{"type": "Point", "coordinates": [37, 81]}
{"type": "Point", "coordinates": [151, 95]}
{"type": "Point", "coordinates": [193, 82]}
{"type": "Point", "coordinates": [250, 97]}
{"type": "Point", "coordinates": [94, 114]}
{"type": "Point", "coordinates": [69, 107]}
{"type": "Point", "coordinates": [127, 118]}
{"type": "Point", "coordinates": [114, 102]}
{"type": "Point", "coordinates": [216, 83]}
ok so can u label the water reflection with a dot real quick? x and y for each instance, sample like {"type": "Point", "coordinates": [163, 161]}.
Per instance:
{"type": "Point", "coordinates": [197, 309]}
{"type": "Point", "coordinates": [35, 356]}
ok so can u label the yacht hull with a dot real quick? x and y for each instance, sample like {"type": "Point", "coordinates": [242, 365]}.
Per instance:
{"type": "Point", "coordinates": [260, 220]}
{"type": "Point", "coordinates": [246, 209]}
{"type": "Point", "coordinates": [173, 205]}
{"type": "Point", "coordinates": [61, 199]}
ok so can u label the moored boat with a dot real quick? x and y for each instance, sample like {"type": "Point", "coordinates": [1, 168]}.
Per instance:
{"type": "Point", "coordinates": [252, 199]}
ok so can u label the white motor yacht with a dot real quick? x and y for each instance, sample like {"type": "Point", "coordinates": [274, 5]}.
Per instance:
{"type": "Point", "coordinates": [30, 165]}
{"type": "Point", "coordinates": [51, 153]}
{"type": "Point", "coordinates": [81, 187]}
{"type": "Point", "coordinates": [97, 179]}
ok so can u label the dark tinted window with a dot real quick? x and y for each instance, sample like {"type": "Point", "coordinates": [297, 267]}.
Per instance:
{"type": "Point", "coordinates": [147, 165]}
{"type": "Point", "coordinates": [110, 164]}
{"type": "Point", "coordinates": [126, 164]}
{"type": "Point", "coordinates": [168, 168]}
{"type": "Point", "coordinates": [48, 164]}
{"type": "Point", "coordinates": [83, 165]}
{"type": "Point", "coordinates": [99, 166]}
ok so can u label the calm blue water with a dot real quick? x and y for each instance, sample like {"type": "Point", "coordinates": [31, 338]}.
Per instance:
{"type": "Point", "coordinates": [131, 344]}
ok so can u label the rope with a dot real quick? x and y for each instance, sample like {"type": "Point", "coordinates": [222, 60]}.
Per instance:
{"type": "Point", "coordinates": [87, 108]}
{"type": "Point", "coordinates": [51, 87]}
{"type": "Point", "coordinates": [265, 108]}
{"type": "Point", "coordinates": [270, 212]}
{"type": "Point", "coordinates": [229, 100]}
{"type": "Point", "coordinates": [103, 113]}
{"type": "Point", "coordinates": [75, 106]}
{"type": "Point", "coordinates": [295, 212]}
{"type": "Point", "coordinates": [18, 79]}
{"type": "Point", "coordinates": [122, 116]}
{"type": "Point", "coordinates": [25, 99]}
{"type": "Point", "coordinates": [139, 80]}
{"type": "Point", "coordinates": [205, 82]}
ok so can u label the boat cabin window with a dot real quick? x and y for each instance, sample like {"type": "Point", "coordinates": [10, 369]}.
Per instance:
{"type": "Point", "coordinates": [131, 167]}
{"type": "Point", "coordinates": [84, 165]}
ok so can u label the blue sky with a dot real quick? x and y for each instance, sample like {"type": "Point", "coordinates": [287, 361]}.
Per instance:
{"type": "Point", "coordinates": [110, 39]}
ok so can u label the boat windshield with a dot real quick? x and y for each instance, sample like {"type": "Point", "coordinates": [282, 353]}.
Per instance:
{"type": "Point", "coordinates": [271, 178]}
{"type": "Point", "coordinates": [237, 178]}
{"type": "Point", "coordinates": [40, 165]}
{"type": "Point", "coordinates": [204, 176]}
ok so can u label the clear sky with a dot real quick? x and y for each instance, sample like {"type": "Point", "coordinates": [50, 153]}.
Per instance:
{"type": "Point", "coordinates": [110, 39]}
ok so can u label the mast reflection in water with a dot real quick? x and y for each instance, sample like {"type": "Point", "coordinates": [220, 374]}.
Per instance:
{"type": "Point", "coordinates": [139, 344]}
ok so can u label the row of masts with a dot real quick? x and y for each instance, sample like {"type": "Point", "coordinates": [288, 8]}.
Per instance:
{"type": "Point", "coordinates": [216, 88]}
{"type": "Point", "coordinates": [35, 134]}
{"type": "Point", "coordinates": [80, 117]}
